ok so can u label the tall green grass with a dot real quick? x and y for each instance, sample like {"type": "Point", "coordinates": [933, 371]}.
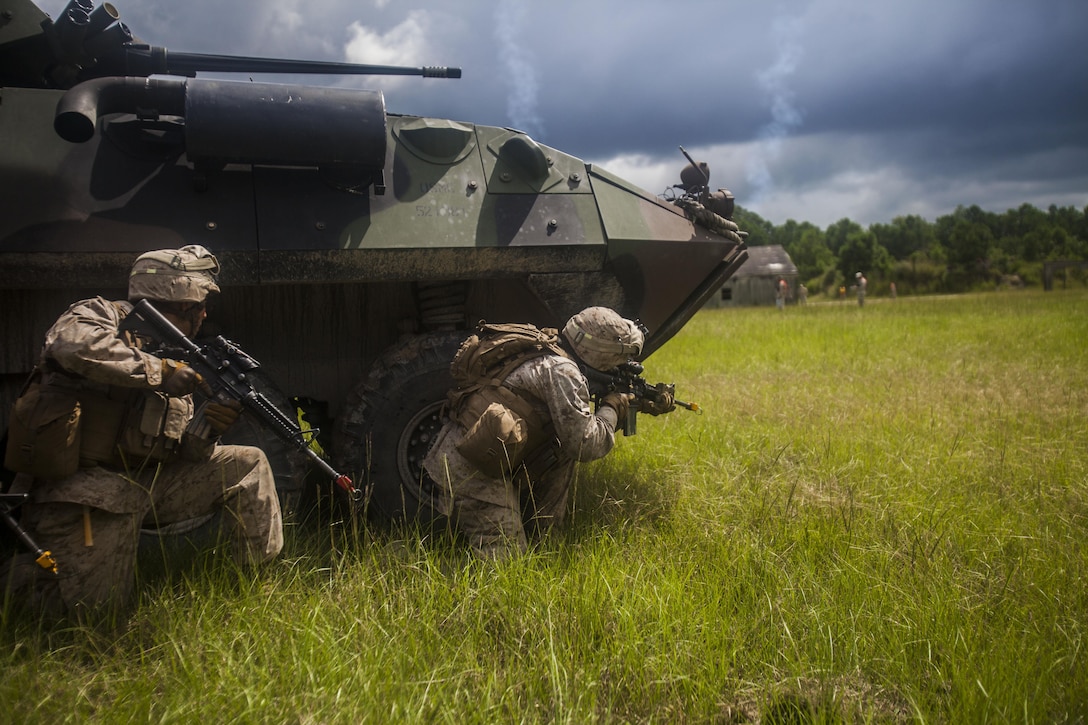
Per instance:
{"type": "Point", "coordinates": [881, 516]}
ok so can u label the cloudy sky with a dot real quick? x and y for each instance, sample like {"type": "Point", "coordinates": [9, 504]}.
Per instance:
{"type": "Point", "coordinates": [812, 110]}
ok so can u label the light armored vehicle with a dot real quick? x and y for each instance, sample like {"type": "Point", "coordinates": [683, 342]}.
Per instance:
{"type": "Point", "coordinates": [358, 245]}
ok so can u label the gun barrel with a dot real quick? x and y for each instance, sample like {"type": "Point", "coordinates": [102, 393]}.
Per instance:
{"type": "Point", "coordinates": [101, 18]}
{"type": "Point", "coordinates": [340, 479]}
{"type": "Point", "coordinates": [147, 60]}
{"type": "Point", "coordinates": [44, 559]}
{"type": "Point", "coordinates": [224, 366]}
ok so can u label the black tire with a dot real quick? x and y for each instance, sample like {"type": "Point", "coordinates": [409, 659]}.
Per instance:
{"type": "Point", "coordinates": [390, 421]}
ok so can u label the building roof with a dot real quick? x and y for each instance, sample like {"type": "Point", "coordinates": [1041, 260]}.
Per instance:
{"type": "Point", "coordinates": [767, 261]}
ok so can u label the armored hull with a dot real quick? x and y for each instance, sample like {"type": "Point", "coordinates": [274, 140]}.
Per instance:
{"type": "Point", "coordinates": [357, 245]}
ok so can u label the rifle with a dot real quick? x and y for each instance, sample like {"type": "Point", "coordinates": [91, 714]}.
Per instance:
{"type": "Point", "coordinates": [225, 367]}
{"type": "Point", "coordinates": [8, 503]}
{"type": "Point", "coordinates": [627, 378]}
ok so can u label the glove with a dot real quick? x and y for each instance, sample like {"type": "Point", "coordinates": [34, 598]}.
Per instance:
{"type": "Point", "coordinates": [619, 402]}
{"type": "Point", "coordinates": [221, 416]}
{"type": "Point", "coordinates": [178, 379]}
{"type": "Point", "coordinates": [662, 401]}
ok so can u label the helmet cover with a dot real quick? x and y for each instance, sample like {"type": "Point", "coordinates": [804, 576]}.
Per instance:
{"type": "Point", "coordinates": [174, 275]}
{"type": "Point", "coordinates": [603, 339]}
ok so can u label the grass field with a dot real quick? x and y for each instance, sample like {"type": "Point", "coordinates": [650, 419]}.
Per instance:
{"type": "Point", "coordinates": [882, 516]}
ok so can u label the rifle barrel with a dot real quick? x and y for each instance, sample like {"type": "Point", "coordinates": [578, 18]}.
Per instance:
{"type": "Point", "coordinates": [144, 315]}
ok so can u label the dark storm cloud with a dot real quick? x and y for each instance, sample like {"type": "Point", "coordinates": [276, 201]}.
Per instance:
{"type": "Point", "coordinates": [806, 109]}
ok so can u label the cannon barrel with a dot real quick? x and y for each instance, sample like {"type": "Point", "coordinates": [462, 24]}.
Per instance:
{"type": "Point", "coordinates": [144, 60]}
{"type": "Point", "coordinates": [88, 42]}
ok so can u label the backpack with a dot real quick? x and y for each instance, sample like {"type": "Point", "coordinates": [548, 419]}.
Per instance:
{"type": "Point", "coordinates": [502, 424]}
{"type": "Point", "coordinates": [495, 349]}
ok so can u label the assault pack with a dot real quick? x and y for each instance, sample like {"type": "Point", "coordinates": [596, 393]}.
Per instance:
{"type": "Point", "coordinates": [503, 425]}
{"type": "Point", "coordinates": [496, 349]}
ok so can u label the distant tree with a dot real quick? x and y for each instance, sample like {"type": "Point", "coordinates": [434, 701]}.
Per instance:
{"type": "Point", "coordinates": [1070, 238]}
{"type": "Point", "coordinates": [968, 243]}
{"type": "Point", "coordinates": [1006, 252]}
{"type": "Point", "coordinates": [1068, 218]}
{"type": "Point", "coordinates": [1035, 244]}
{"type": "Point", "coordinates": [789, 234]}
{"type": "Point", "coordinates": [936, 253]}
{"type": "Point", "coordinates": [862, 253]}
{"type": "Point", "coordinates": [1018, 222]}
{"type": "Point", "coordinates": [882, 260]}
{"type": "Point", "coordinates": [839, 232]}
{"type": "Point", "coordinates": [759, 229]}
{"type": "Point", "coordinates": [920, 274]}
{"type": "Point", "coordinates": [811, 255]}
{"type": "Point", "coordinates": [1065, 245]}
{"type": "Point", "coordinates": [957, 251]}
{"type": "Point", "coordinates": [904, 236]}
{"type": "Point", "coordinates": [1000, 261]}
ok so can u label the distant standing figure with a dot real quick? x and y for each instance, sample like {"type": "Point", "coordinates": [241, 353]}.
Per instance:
{"type": "Point", "coordinates": [802, 294]}
{"type": "Point", "coordinates": [780, 291]}
{"type": "Point", "coordinates": [842, 292]}
{"type": "Point", "coordinates": [862, 284]}
{"type": "Point", "coordinates": [891, 289]}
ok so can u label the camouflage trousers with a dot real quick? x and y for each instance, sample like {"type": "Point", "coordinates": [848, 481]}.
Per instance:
{"type": "Point", "coordinates": [498, 517]}
{"type": "Point", "coordinates": [91, 523]}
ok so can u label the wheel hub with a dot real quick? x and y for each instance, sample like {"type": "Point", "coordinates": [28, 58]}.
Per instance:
{"type": "Point", "coordinates": [414, 443]}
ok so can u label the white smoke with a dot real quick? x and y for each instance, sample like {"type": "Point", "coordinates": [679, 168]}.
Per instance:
{"type": "Point", "coordinates": [785, 116]}
{"type": "Point", "coordinates": [404, 44]}
{"type": "Point", "coordinates": [521, 101]}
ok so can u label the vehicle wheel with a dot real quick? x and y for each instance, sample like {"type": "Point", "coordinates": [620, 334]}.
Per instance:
{"type": "Point", "coordinates": [390, 421]}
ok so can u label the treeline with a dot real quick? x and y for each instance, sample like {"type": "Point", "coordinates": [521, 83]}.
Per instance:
{"type": "Point", "coordinates": [969, 249]}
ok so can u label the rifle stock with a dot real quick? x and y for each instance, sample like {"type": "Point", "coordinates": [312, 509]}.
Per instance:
{"type": "Point", "coordinates": [225, 367]}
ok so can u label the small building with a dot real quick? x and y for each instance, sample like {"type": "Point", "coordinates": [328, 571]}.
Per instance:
{"type": "Point", "coordinates": [753, 284]}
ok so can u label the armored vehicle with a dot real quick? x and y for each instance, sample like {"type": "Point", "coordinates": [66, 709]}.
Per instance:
{"type": "Point", "coordinates": [357, 245]}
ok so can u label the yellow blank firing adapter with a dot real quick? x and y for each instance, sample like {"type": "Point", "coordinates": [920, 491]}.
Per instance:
{"type": "Point", "coordinates": [47, 562]}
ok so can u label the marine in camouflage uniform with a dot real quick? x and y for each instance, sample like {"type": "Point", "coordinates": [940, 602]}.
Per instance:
{"type": "Point", "coordinates": [499, 516]}
{"type": "Point", "coordinates": [152, 465]}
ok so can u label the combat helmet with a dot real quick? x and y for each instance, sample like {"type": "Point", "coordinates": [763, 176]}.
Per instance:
{"type": "Point", "coordinates": [174, 275]}
{"type": "Point", "coordinates": [603, 339]}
